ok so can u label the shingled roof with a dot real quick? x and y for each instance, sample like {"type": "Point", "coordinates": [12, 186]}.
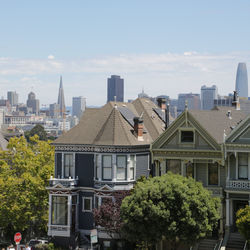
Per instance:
{"type": "Point", "coordinates": [218, 120]}
{"type": "Point", "coordinates": [107, 125]}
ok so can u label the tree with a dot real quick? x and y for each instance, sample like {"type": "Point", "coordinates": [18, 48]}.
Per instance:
{"type": "Point", "coordinates": [170, 207]}
{"type": "Point", "coordinates": [108, 214]}
{"type": "Point", "coordinates": [24, 173]}
{"type": "Point", "coordinates": [243, 222]}
{"type": "Point", "coordinates": [37, 130]}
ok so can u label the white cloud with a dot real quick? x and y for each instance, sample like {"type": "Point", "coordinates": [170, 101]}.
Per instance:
{"type": "Point", "coordinates": [51, 57]}
{"type": "Point", "coordinates": [167, 73]}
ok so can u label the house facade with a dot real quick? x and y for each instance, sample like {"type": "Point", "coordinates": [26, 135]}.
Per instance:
{"type": "Point", "coordinates": [212, 147]}
{"type": "Point", "coordinates": [106, 152]}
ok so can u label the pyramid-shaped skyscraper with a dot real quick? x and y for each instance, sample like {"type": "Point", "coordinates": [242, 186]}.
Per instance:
{"type": "Point", "coordinates": [61, 101]}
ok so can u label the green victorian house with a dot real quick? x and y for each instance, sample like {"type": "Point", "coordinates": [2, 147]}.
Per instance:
{"type": "Point", "coordinates": [213, 147]}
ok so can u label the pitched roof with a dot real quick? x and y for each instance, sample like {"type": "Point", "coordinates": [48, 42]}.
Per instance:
{"type": "Point", "coordinates": [217, 121]}
{"type": "Point", "coordinates": [3, 142]}
{"type": "Point", "coordinates": [108, 126]}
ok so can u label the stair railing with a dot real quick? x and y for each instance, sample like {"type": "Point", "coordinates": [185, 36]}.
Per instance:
{"type": "Point", "coordinates": [219, 247]}
{"type": "Point", "coordinates": [245, 246]}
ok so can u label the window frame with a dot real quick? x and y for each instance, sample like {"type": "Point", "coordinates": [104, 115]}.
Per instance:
{"type": "Point", "coordinates": [186, 130]}
{"type": "Point", "coordinates": [132, 165]}
{"type": "Point", "coordinates": [83, 204]}
{"type": "Point", "coordinates": [125, 168]}
{"type": "Point", "coordinates": [111, 167]}
{"type": "Point", "coordinates": [72, 167]}
{"type": "Point", "coordinates": [218, 174]}
{"type": "Point", "coordinates": [66, 208]}
{"type": "Point", "coordinates": [238, 165]}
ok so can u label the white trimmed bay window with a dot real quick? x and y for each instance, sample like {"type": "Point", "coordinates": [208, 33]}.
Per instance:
{"type": "Point", "coordinates": [59, 210]}
{"type": "Point", "coordinates": [107, 167]}
{"type": "Point", "coordinates": [121, 171]}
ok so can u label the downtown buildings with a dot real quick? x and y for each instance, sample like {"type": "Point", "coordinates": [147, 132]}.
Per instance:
{"type": "Point", "coordinates": [241, 84]}
{"type": "Point", "coordinates": [115, 89]}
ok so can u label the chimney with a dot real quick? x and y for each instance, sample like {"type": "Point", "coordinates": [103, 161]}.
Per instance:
{"type": "Point", "coordinates": [167, 117]}
{"type": "Point", "coordinates": [161, 103]}
{"type": "Point", "coordinates": [236, 101]}
{"type": "Point", "coordinates": [138, 128]}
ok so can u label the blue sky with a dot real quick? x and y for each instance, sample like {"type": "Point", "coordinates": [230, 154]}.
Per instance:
{"type": "Point", "coordinates": [166, 47]}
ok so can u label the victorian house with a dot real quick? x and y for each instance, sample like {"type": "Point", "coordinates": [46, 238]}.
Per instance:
{"type": "Point", "coordinates": [107, 151]}
{"type": "Point", "coordinates": [211, 146]}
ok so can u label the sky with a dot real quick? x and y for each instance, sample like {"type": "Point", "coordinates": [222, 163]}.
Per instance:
{"type": "Point", "coordinates": [164, 47]}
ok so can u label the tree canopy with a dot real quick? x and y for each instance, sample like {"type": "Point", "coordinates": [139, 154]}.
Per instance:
{"type": "Point", "coordinates": [37, 130]}
{"type": "Point", "coordinates": [24, 173]}
{"type": "Point", "coordinates": [170, 207]}
{"type": "Point", "coordinates": [243, 222]}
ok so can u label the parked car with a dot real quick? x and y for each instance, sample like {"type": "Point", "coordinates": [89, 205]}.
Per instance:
{"type": "Point", "coordinates": [34, 242]}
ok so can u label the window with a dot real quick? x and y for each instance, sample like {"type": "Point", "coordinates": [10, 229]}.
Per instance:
{"type": "Point", "coordinates": [132, 167]}
{"type": "Point", "coordinates": [97, 166]}
{"type": "Point", "coordinates": [187, 136]}
{"type": "Point", "coordinates": [190, 170]}
{"type": "Point", "coordinates": [243, 166]}
{"type": "Point", "coordinates": [68, 165]}
{"type": "Point", "coordinates": [121, 163]}
{"type": "Point", "coordinates": [59, 210]}
{"type": "Point", "coordinates": [87, 204]}
{"type": "Point", "coordinates": [107, 167]}
{"type": "Point", "coordinates": [174, 166]}
{"type": "Point", "coordinates": [213, 177]}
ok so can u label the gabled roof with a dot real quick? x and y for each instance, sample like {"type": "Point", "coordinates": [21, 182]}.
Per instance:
{"type": "Point", "coordinates": [107, 126]}
{"type": "Point", "coordinates": [217, 121]}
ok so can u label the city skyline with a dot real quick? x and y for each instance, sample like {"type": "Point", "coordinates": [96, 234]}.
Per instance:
{"type": "Point", "coordinates": [160, 47]}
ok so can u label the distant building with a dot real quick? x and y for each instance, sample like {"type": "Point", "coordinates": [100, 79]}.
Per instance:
{"type": "Point", "coordinates": [115, 89]}
{"type": "Point", "coordinates": [33, 103]}
{"type": "Point", "coordinates": [241, 84]}
{"type": "Point", "coordinates": [224, 101]}
{"type": "Point", "coordinates": [78, 106]}
{"type": "Point", "coordinates": [61, 101]}
{"type": "Point", "coordinates": [54, 110]}
{"type": "Point", "coordinates": [12, 97]}
{"type": "Point", "coordinates": [192, 100]}
{"type": "Point", "coordinates": [208, 94]}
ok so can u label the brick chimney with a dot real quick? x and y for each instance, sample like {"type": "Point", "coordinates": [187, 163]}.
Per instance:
{"type": "Point", "coordinates": [138, 128]}
{"type": "Point", "coordinates": [161, 103]}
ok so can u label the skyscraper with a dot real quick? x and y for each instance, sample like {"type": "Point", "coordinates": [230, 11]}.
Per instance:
{"type": "Point", "coordinates": [115, 88]}
{"type": "Point", "coordinates": [193, 102]}
{"type": "Point", "coordinates": [33, 103]}
{"type": "Point", "coordinates": [241, 84]}
{"type": "Point", "coordinates": [61, 101]}
{"type": "Point", "coordinates": [78, 106]}
{"type": "Point", "coordinates": [12, 97]}
{"type": "Point", "coordinates": [208, 94]}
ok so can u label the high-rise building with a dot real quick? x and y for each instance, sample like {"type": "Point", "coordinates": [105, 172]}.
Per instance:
{"type": "Point", "coordinates": [54, 110]}
{"type": "Point", "coordinates": [78, 106]}
{"type": "Point", "coordinates": [192, 100]}
{"type": "Point", "coordinates": [241, 84]}
{"type": "Point", "coordinates": [208, 94]}
{"type": "Point", "coordinates": [12, 97]}
{"type": "Point", "coordinates": [60, 101]}
{"type": "Point", "coordinates": [33, 103]}
{"type": "Point", "coordinates": [115, 89]}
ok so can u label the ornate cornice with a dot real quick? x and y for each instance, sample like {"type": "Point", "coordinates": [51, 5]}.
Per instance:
{"type": "Point", "coordinates": [102, 149]}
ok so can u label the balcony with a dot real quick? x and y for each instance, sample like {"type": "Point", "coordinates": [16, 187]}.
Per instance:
{"type": "Point", "coordinates": [238, 184]}
{"type": "Point", "coordinates": [58, 230]}
{"type": "Point", "coordinates": [65, 182]}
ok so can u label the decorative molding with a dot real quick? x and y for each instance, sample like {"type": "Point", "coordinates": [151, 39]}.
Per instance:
{"type": "Point", "coordinates": [100, 149]}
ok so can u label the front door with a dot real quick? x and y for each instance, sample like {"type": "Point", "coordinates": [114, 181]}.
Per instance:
{"type": "Point", "coordinates": [238, 205]}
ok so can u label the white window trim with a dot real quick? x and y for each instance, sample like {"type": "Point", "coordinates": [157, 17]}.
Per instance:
{"type": "Point", "coordinates": [74, 165]}
{"type": "Point", "coordinates": [83, 202]}
{"type": "Point", "coordinates": [237, 167]}
{"type": "Point", "coordinates": [102, 168]}
{"type": "Point", "coordinates": [126, 168]}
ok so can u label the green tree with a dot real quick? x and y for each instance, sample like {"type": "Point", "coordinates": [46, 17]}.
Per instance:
{"type": "Point", "coordinates": [37, 130]}
{"type": "Point", "coordinates": [243, 222]}
{"type": "Point", "coordinates": [169, 207]}
{"type": "Point", "coordinates": [24, 173]}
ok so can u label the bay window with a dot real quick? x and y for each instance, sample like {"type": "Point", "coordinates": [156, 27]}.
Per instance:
{"type": "Point", "coordinates": [59, 210]}
{"type": "Point", "coordinates": [107, 167]}
{"type": "Point", "coordinates": [121, 163]}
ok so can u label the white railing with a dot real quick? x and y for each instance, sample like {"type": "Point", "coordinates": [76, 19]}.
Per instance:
{"type": "Point", "coordinates": [238, 184]}
{"type": "Point", "coordinates": [65, 182]}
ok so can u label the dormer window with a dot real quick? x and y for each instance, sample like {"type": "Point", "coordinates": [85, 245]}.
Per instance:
{"type": "Point", "coordinates": [187, 136]}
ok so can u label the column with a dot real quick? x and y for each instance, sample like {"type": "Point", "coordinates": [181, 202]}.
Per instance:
{"type": "Point", "coordinates": [227, 210]}
{"type": "Point", "coordinates": [50, 211]}
{"type": "Point", "coordinates": [69, 210]}
{"type": "Point", "coordinates": [183, 170]}
{"type": "Point", "coordinates": [128, 167]}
